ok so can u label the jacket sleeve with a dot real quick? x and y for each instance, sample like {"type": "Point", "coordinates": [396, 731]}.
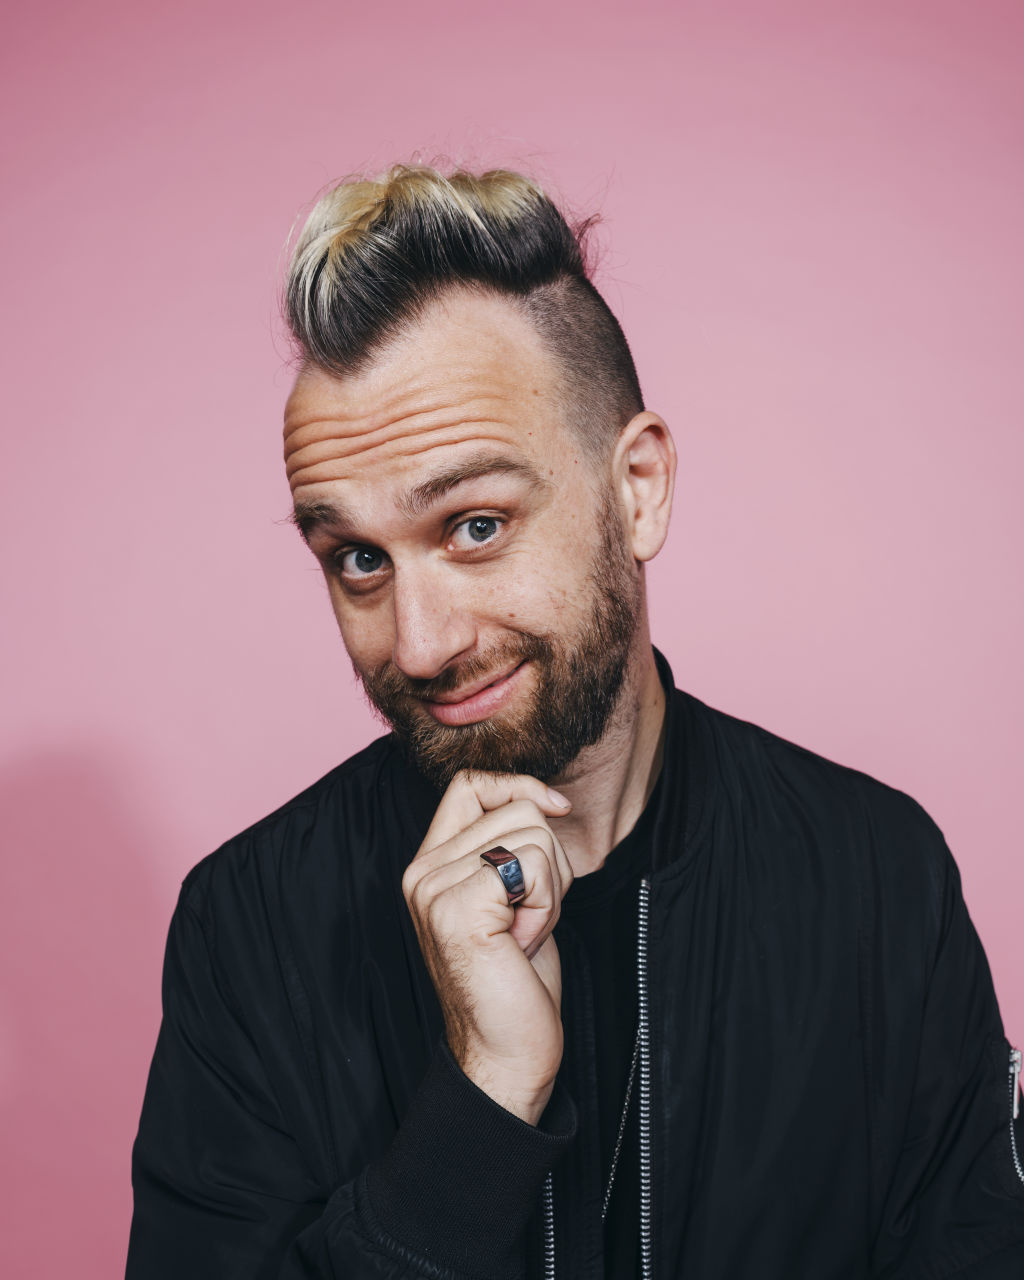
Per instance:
{"type": "Point", "coordinates": [223, 1191]}
{"type": "Point", "coordinates": [947, 1154]}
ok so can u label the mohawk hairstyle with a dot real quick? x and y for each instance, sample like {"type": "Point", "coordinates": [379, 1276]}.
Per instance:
{"type": "Point", "coordinates": [374, 253]}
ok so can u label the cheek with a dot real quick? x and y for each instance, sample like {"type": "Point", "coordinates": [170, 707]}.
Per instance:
{"type": "Point", "coordinates": [367, 633]}
{"type": "Point", "coordinates": [541, 601]}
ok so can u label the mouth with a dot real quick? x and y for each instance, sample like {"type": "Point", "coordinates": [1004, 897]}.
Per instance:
{"type": "Point", "coordinates": [476, 701]}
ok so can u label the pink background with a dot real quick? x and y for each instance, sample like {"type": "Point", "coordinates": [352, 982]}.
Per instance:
{"type": "Point", "coordinates": [813, 228]}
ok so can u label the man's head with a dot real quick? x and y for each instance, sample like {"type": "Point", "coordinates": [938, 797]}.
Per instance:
{"type": "Point", "coordinates": [374, 255]}
{"type": "Point", "coordinates": [472, 466]}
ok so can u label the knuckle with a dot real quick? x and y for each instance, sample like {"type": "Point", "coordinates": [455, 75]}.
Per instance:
{"type": "Point", "coordinates": [533, 853]}
{"type": "Point", "coordinates": [525, 813]}
{"type": "Point", "coordinates": [410, 881]}
{"type": "Point", "coordinates": [419, 900]}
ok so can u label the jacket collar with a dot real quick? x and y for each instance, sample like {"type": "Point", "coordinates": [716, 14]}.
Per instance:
{"type": "Point", "coordinates": [681, 797]}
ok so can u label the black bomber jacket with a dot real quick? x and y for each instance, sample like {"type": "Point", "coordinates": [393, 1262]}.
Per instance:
{"type": "Point", "coordinates": [826, 1089]}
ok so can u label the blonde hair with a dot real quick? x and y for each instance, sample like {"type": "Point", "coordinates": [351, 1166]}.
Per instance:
{"type": "Point", "coordinates": [374, 252]}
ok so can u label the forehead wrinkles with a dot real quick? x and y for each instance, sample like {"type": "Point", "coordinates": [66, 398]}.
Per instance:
{"type": "Point", "coordinates": [444, 385]}
{"type": "Point", "coordinates": [332, 431]}
{"type": "Point", "coordinates": [348, 465]}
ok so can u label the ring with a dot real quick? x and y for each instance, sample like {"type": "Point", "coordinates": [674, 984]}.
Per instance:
{"type": "Point", "coordinates": [507, 866]}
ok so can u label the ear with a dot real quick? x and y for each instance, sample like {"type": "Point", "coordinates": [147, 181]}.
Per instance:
{"type": "Point", "coordinates": [644, 468]}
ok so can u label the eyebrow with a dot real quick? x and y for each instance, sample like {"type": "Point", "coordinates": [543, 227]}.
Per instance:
{"type": "Point", "coordinates": [309, 516]}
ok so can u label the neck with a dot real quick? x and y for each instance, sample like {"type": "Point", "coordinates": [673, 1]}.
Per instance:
{"type": "Point", "coordinates": [610, 783]}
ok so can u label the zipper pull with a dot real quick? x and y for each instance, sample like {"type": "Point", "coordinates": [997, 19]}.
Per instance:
{"type": "Point", "coordinates": [1015, 1065]}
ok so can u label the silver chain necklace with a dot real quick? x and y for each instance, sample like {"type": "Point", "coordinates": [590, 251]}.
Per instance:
{"type": "Point", "coordinates": [622, 1124]}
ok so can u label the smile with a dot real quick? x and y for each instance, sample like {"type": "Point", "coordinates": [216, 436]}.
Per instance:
{"type": "Point", "coordinates": [480, 702]}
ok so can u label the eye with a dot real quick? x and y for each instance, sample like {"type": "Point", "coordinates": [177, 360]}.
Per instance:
{"type": "Point", "coordinates": [361, 561]}
{"type": "Point", "coordinates": [475, 531]}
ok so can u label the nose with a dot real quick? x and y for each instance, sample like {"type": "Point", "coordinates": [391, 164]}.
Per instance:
{"type": "Point", "coordinates": [431, 626]}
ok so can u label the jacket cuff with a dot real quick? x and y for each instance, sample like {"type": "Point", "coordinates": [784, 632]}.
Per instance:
{"type": "Point", "coordinates": [461, 1178]}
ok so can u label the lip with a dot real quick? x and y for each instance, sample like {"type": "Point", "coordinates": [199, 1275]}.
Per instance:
{"type": "Point", "coordinates": [479, 702]}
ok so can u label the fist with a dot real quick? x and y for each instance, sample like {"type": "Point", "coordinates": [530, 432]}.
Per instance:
{"type": "Point", "coordinates": [495, 967]}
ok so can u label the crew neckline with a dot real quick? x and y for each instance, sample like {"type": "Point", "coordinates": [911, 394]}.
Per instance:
{"type": "Point", "coordinates": [628, 860]}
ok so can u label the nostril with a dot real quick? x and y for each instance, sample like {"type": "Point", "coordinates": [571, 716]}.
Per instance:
{"type": "Point", "coordinates": [423, 649]}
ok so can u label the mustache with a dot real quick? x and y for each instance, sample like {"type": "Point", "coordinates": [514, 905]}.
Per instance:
{"type": "Point", "coordinates": [389, 685]}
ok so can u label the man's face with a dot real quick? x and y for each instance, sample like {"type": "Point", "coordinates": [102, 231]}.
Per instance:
{"type": "Point", "coordinates": [476, 559]}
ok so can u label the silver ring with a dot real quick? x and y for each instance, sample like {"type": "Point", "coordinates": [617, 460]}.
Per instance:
{"type": "Point", "coordinates": [510, 872]}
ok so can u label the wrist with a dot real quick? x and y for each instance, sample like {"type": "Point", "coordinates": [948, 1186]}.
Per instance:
{"type": "Point", "coordinates": [522, 1096]}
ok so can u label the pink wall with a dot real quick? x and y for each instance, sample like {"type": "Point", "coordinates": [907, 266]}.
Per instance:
{"type": "Point", "coordinates": [813, 238]}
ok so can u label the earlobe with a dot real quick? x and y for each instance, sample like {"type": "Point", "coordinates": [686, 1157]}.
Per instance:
{"type": "Point", "coordinates": [646, 465]}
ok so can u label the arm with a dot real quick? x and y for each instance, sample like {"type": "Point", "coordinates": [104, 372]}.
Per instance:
{"type": "Point", "coordinates": [223, 1190]}
{"type": "Point", "coordinates": [939, 1072]}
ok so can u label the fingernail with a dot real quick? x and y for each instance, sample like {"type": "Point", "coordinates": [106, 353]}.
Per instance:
{"type": "Point", "coordinates": [557, 798]}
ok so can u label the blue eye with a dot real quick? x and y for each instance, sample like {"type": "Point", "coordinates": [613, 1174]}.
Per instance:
{"type": "Point", "coordinates": [362, 560]}
{"type": "Point", "coordinates": [481, 528]}
{"type": "Point", "coordinates": [475, 531]}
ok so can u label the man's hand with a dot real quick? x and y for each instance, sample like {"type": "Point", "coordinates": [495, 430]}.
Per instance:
{"type": "Point", "coordinates": [495, 968]}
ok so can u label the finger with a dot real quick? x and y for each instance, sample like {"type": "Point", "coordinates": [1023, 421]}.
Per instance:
{"type": "Point", "coordinates": [490, 828]}
{"type": "Point", "coordinates": [541, 890]}
{"type": "Point", "coordinates": [531, 920]}
{"type": "Point", "coordinates": [549, 969]}
{"type": "Point", "coordinates": [532, 927]}
{"type": "Point", "coordinates": [565, 871]}
{"type": "Point", "coordinates": [534, 922]}
{"type": "Point", "coordinates": [436, 871]}
{"type": "Point", "coordinates": [543, 835]}
{"type": "Point", "coordinates": [526, 844]}
{"type": "Point", "coordinates": [477, 906]}
{"type": "Point", "coordinates": [472, 794]}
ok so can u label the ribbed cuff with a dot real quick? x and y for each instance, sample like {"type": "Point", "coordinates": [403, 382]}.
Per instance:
{"type": "Point", "coordinates": [461, 1178]}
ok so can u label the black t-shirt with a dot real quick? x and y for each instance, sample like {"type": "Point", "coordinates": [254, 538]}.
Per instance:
{"type": "Point", "coordinates": [602, 909]}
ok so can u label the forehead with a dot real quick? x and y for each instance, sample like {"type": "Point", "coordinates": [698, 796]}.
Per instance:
{"type": "Point", "coordinates": [470, 372]}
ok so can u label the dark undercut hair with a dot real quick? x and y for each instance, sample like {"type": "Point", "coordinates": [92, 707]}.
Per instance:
{"type": "Point", "coordinates": [375, 253]}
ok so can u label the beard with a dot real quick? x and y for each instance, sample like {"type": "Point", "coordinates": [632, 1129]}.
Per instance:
{"type": "Point", "coordinates": [579, 681]}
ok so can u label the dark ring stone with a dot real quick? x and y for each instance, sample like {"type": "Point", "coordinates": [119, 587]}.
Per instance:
{"type": "Point", "coordinates": [507, 866]}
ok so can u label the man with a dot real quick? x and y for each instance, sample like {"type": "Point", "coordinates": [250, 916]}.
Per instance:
{"type": "Point", "coordinates": [570, 974]}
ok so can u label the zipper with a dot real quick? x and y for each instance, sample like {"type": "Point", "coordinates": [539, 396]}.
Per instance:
{"type": "Point", "coordinates": [646, 1269]}
{"type": "Point", "coordinates": [549, 1229]}
{"type": "Point", "coordinates": [1015, 1068]}
{"type": "Point", "coordinates": [644, 1041]}
{"type": "Point", "coordinates": [1016, 1059]}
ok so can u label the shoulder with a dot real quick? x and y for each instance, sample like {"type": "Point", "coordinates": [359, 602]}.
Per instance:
{"type": "Point", "coordinates": [894, 842]}
{"type": "Point", "coordinates": [742, 749]}
{"type": "Point", "coordinates": [291, 842]}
